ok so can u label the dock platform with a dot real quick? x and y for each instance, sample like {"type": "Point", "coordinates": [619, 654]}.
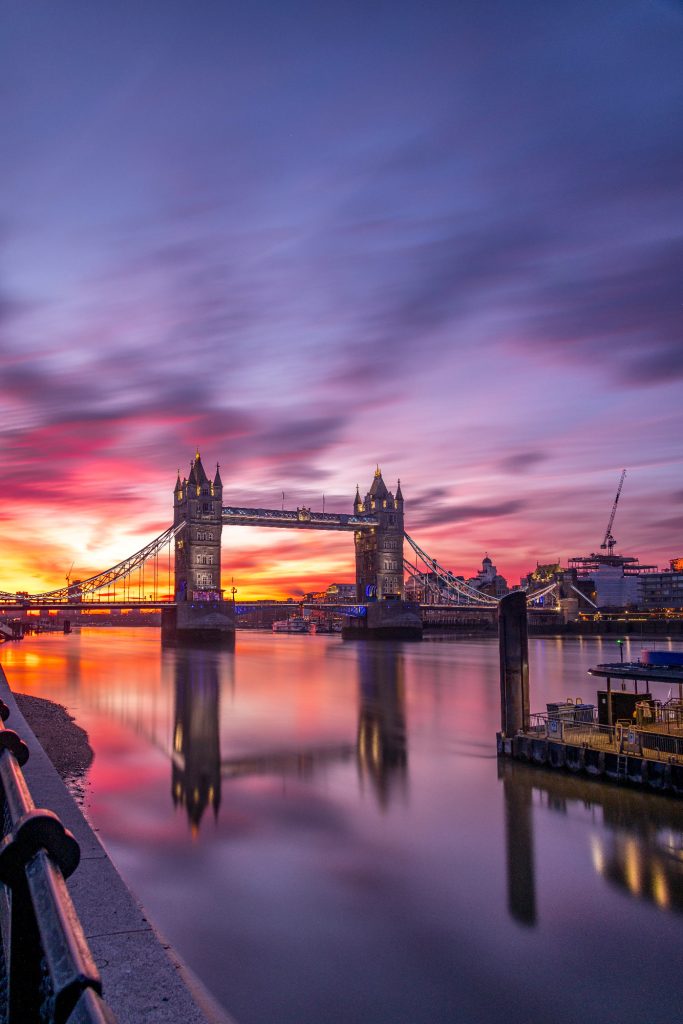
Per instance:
{"type": "Point", "coordinates": [644, 750]}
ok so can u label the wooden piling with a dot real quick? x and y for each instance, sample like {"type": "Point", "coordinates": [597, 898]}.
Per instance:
{"type": "Point", "coordinates": [514, 663]}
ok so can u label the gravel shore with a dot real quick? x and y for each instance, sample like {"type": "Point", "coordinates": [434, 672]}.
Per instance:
{"type": "Point", "coordinates": [64, 742]}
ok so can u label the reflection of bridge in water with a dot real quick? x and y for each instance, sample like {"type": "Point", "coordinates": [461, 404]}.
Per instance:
{"type": "Point", "coordinates": [188, 732]}
{"type": "Point", "coordinates": [641, 854]}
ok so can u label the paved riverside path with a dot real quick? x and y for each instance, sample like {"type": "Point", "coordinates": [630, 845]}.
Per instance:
{"type": "Point", "coordinates": [144, 982]}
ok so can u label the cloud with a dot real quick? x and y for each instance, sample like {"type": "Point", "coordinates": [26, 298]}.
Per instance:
{"type": "Point", "coordinates": [622, 314]}
{"type": "Point", "coordinates": [522, 462]}
{"type": "Point", "coordinates": [401, 259]}
{"type": "Point", "coordinates": [670, 523]}
{"type": "Point", "coordinates": [442, 515]}
{"type": "Point", "coordinates": [293, 438]}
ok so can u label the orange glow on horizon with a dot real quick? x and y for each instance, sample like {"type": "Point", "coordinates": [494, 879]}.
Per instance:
{"type": "Point", "coordinates": [81, 531]}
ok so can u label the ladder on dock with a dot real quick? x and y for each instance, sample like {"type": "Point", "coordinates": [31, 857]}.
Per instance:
{"type": "Point", "coordinates": [622, 767]}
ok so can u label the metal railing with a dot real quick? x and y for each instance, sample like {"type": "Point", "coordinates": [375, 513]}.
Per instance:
{"type": "Point", "coordinates": [48, 975]}
{"type": "Point", "coordinates": [573, 728]}
{"type": "Point", "coordinates": [633, 736]}
{"type": "Point", "coordinates": [667, 715]}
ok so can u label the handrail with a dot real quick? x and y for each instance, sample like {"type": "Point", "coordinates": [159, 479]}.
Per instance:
{"type": "Point", "coordinates": [624, 736]}
{"type": "Point", "coordinates": [49, 973]}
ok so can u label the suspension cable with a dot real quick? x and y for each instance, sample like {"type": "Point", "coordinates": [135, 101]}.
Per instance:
{"type": "Point", "coordinates": [453, 587]}
{"type": "Point", "coordinates": [105, 580]}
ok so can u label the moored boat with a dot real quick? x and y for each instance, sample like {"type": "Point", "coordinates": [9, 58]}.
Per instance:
{"type": "Point", "coordinates": [295, 624]}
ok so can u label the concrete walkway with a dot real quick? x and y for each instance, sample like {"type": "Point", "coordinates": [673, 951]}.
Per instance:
{"type": "Point", "coordinates": [143, 979]}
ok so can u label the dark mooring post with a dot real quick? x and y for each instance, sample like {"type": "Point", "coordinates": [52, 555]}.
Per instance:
{"type": "Point", "coordinates": [514, 663]}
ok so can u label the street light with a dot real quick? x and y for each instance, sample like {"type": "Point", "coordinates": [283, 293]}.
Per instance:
{"type": "Point", "coordinates": [620, 644]}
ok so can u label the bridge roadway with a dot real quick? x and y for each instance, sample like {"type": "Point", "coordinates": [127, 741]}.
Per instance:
{"type": "Point", "coordinates": [241, 607]}
{"type": "Point", "coordinates": [156, 605]}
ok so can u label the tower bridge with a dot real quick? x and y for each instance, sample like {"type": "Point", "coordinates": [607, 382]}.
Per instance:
{"type": "Point", "coordinates": [186, 560]}
{"type": "Point", "coordinates": [200, 515]}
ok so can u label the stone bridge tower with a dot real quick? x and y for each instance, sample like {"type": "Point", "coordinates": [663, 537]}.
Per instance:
{"type": "Point", "coordinates": [200, 612]}
{"type": "Point", "coordinates": [198, 503]}
{"type": "Point", "coordinates": [379, 551]}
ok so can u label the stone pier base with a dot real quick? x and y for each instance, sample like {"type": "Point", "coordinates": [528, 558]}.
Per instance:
{"type": "Point", "coordinates": [209, 623]}
{"type": "Point", "coordinates": [385, 620]}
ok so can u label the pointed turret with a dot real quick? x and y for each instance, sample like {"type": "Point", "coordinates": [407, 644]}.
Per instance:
{"type": "Point", "coordinates": [178, 493]}
{"type": "Point", "coordinates": [379, 488]}
{"type": "Point", "coordinates": [399, 493]}
{"type": "Point", "coordinates": [200, 472]}
{"type": "Point", "coordinates": [217, 482]}
{"type": "Point", "coordinates": [357, 502]}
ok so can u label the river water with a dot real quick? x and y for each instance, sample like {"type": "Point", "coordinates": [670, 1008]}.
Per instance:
{"type": "Point", "coordinates": [323, 831]}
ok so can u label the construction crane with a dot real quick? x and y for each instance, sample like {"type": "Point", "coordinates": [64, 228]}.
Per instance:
{"type": "Point", "coordinates": [609, 541]}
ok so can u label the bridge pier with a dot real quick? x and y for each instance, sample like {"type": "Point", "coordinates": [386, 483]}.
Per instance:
{"type": "Point", "coordinates": [385, 620]}
{"type": "Point", "coordinates": [209, 623]}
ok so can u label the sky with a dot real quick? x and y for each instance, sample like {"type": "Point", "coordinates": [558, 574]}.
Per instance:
{"type": "Point", "coordinates": [309, 238]}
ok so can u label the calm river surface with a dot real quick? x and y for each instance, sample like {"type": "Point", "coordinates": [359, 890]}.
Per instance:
{"type": "Point", "coordinates": [323, 832]}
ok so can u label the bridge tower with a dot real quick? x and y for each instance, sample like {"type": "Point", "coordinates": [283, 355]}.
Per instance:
{"type": "Point", "coordinates": [379, 570]}
{"type": "Point", "coordinates": [200, 612]}
{"type": "Point", "coordinates": [198, 503]}
{"type": "Point", "coordinates": [379, 552]}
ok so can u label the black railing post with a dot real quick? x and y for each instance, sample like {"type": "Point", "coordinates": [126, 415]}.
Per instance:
{"type": "Point", "coordinates": [25, 980]}
{"type": "Point", "coordinates": [50, 974]}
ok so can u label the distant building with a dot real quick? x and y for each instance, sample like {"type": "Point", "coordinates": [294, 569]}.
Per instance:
{"type": "Point", "coordinates": [543, 574]}
{"type": "Point", "coordinates": [488, 581]}
{"type": "Point", "coordinates": [341, 592]}
{"type": "Point", "coordinates": [570, 587]}
{"type": "Point", "coordinates": [618, 580]}
{"type": "Point", "coordinates": [663, 590]}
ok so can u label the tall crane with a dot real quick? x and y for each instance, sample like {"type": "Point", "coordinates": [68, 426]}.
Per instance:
{"type": "Point", "coordinates": [609, 541]}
